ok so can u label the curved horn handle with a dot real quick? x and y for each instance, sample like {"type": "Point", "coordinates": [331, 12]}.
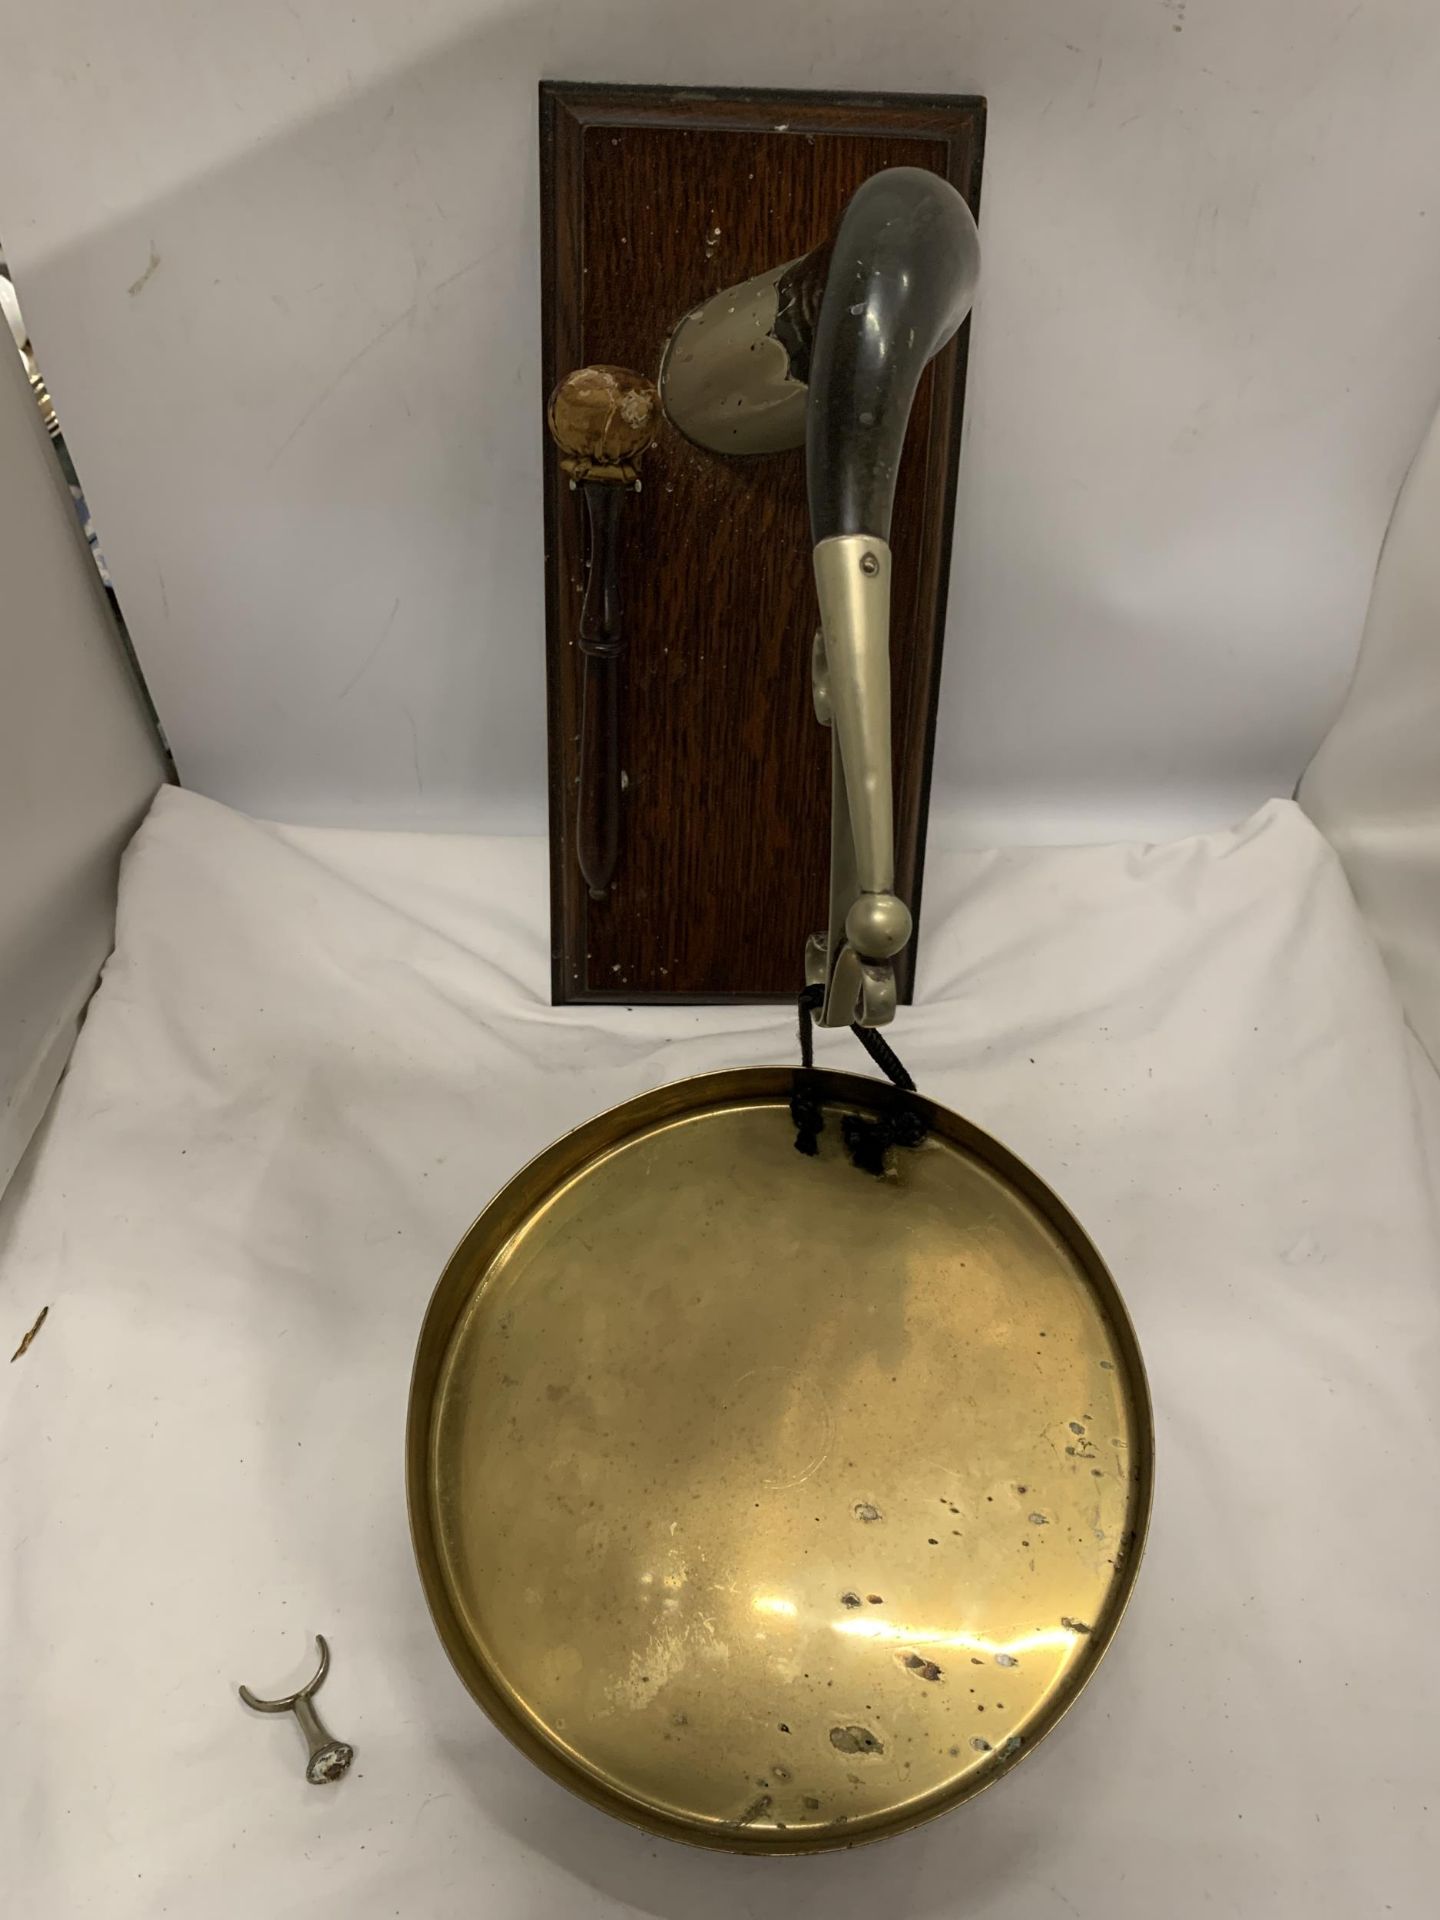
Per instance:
{"type": "Point", "coordinates": [901, 279]}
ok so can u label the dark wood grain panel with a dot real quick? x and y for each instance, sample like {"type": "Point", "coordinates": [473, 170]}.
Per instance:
{"type": "Point", "coordinates": [652, 201]}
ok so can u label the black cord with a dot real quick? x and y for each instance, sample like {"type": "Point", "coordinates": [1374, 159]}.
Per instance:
{"type": "Point", "coordinates": [866, 1141]}
{"type": "Point", "coordinates": [884, 1055]}
{"type": "Point", "coordinates": [805, 1108]}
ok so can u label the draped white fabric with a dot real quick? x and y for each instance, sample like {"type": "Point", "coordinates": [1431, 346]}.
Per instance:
{"type": "Point", "coordinates": [313, 1058]}
{"type": "Point", "coordinates": [1374, 786]}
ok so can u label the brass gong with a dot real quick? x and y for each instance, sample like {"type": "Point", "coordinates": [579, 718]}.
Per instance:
{"type": "Point", "coordinates": [767, 1504]}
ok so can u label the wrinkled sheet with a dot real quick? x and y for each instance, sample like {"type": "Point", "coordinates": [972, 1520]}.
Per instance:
{"type": "Point", "coordinates": [314, 1056]}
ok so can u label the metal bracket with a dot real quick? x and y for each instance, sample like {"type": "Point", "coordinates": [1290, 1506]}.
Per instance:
{"type": "Point", "coordinates": [850, 671]}
{"type": "Point", "coordinates": [329, 1758]}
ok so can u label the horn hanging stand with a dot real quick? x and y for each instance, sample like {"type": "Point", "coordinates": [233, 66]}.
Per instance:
{"type": "Point", "coordinates": [793, 272]}
{"type": "Point", "coordinates": [647, 1426]}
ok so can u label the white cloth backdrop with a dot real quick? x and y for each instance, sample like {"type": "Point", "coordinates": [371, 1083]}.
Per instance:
{"type": "Point", "coordinates": [1374, 786]}
{"type": "Point", "coordinates": [311, 1061]}
{"type": "Point", "coordinates": [281, 266]}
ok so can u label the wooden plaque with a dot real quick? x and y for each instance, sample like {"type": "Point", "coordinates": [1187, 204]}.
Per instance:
{"type": "Point", "coordinates": [653, 199]}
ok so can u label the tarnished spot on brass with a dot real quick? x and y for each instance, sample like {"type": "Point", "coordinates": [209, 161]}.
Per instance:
{"type": "Point", "coordinates": [917, 1663]}
{"type": "Point", "coordinates": [688, 1413]}
{"type": "Point", "coordinates": [856, 1740]}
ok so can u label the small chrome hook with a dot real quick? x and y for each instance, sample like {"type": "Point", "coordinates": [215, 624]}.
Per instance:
{"type": "Point", "coordinates": [329, 1758]}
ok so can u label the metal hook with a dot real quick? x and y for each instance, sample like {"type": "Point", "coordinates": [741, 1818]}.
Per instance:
{"type": "Point", "coordinates": [329, 1758]}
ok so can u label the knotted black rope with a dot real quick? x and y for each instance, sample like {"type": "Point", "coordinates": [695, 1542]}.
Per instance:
{"type": "Point", "coordinates": [884, 1056]}
{"type": "Point", "coordinates": [866, 1141]}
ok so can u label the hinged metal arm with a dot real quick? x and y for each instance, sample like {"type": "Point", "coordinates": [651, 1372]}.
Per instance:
{"type": "Point", "coordinates": [868, 924]}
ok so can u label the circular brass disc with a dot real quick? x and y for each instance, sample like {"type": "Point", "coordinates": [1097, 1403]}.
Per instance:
{"type": "Point", "coordinates": [766, 1503]}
